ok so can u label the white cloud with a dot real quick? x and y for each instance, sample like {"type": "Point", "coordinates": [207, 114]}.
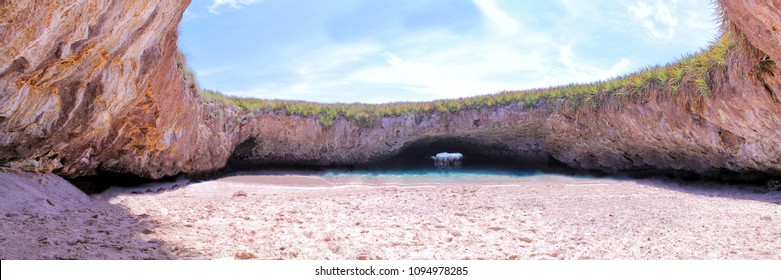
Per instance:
{"type": "Point", "coordinates": [444, 75]}
{"type": "Point", "coordinates": [328, 58]}
{"type": "Point", "coordinates": [236, 4]}
{"type": "Point", "coordinates": [657, 20]}
{"type": "Point", "coordinates": [482, 69]}
{"type": "Point", "coordinates": [579, 71]}
{"type": "Point", "coordinates": [641, 11]}
{"type": "Point", "coordinates": [497, 16]}
{"type": "Point", "coordinates": [316, 75]}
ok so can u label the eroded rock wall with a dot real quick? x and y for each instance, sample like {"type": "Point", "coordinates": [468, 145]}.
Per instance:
{"type": "Point", "coordinates": [759, 21]}
{"type": "Point", "coordinates": [98, 85]}
{"type": "Point", "coordinates": [735, 130]}
{"type": "Point", "coordinates": [92, 87]}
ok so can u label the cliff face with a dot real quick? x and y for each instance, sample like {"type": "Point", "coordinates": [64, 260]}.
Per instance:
{"type": "Point", "coordinates": [759, 21]}
{"type": "Point", "coordinates": [92, 87]}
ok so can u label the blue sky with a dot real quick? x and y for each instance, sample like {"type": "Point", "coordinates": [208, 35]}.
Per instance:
{"type": "Point", "coordinates": [412, 50]}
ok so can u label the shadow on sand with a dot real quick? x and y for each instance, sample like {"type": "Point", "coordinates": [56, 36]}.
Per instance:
{"type": "Point", "coordinates": [711, 188]}
{"type": "Point", "coordinates": [43, 216]}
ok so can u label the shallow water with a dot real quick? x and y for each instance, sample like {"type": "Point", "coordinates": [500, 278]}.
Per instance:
{"type": "Point", "coordinates": [428, 177]}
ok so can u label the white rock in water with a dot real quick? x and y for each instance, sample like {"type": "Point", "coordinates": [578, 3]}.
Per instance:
{"type": "Point", "coordinates": [448, 156]}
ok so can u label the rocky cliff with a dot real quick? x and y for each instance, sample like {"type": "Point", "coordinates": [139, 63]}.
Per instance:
{"type": "Point", "coordinates": [89, 87]}
{"type": "Point", "coordinates": [97, 85]}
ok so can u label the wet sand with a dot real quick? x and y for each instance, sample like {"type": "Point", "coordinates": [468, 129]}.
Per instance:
{"type": "Point", "coordinates": [399, 217]}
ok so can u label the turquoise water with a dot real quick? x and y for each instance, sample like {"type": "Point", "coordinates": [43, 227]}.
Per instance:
{"type": "Point", "coordinates": [424, 174]}
{"type": "Point", "coordinates": [424, 177]}
{"type": "Point", "coordinates": [421, 177]}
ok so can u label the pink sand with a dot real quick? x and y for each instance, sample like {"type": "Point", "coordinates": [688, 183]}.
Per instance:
{"type": "Point", "coordinates": [353, 217]}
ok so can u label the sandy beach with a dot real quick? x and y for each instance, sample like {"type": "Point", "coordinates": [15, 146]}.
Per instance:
{"type": "Point", "coordinates": [347, 216]}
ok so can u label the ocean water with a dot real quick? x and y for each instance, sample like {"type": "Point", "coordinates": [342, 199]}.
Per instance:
{"type": "Point", "coordinates": [429, 177]}
{"type": "Point", "coordinates": [415, 177]}
{"type": "Point", "coordinates": [415, 166]}
{"type": "Point", "coordinates": [429, 174]}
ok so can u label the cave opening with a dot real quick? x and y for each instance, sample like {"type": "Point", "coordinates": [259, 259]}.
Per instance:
{"type": "Point", "coordinates": [415, 157]}
{"type": "Point", "coordinates": [476, 157]}
{"type": "Point", "coordinates": [243, 158]}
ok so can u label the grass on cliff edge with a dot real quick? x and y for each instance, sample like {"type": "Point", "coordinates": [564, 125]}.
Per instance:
{"type": "Point", "coordinates": [691, 70]}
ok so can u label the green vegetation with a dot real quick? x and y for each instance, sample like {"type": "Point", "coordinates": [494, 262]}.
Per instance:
{"type": "Point", "coordinates": [692, 71]}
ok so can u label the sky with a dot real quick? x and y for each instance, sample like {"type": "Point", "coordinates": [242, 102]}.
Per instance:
{"type": "Point", "coordinates": [374, 51]}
